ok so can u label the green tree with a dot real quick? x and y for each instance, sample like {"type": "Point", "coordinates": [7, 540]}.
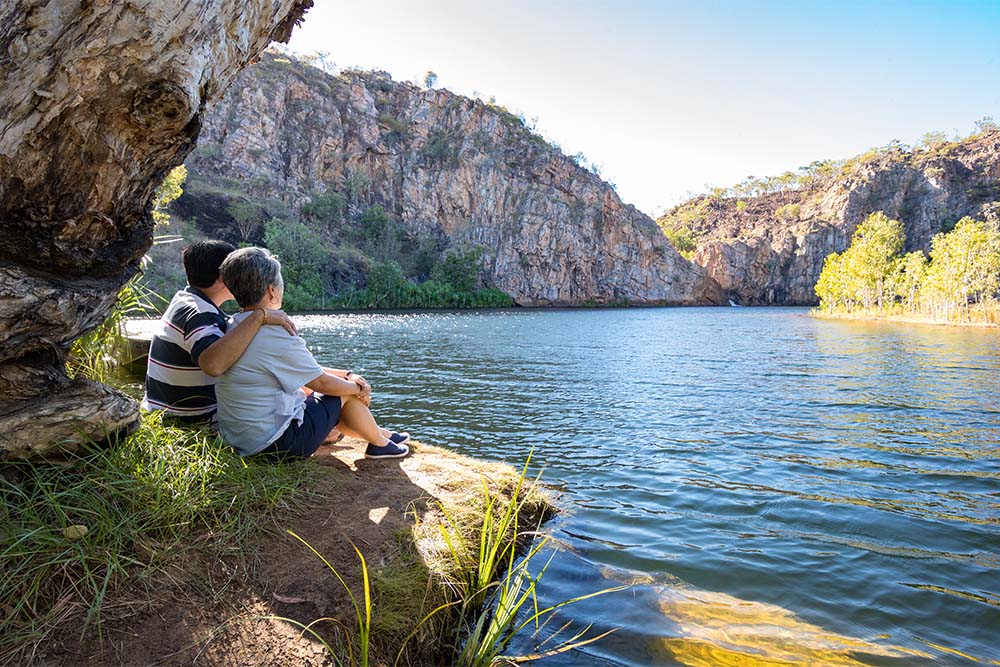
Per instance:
{"type": "Point", "coordinates": [459, 270]}
{"type": "Point", "coordinates": [832, 286]}
{"type": "Point", "coordinates": [328, 207]}
{"type": "Point", "coordinates": [169, 190]}
{"type": "Point", "coordinates": [388, 287]}
{"type": "Point", "coordinates": [933, 139]}
{"type": "Point", "coordinates": [870, 260]}
{"type": "Point", "coordinates": [911, 276]}
{"type": "Point", "coordinates": [865, 274]}
{"type": "Point", "coordinates": [986, 124]}
{"type": "Point", "coordinates": [964, 269]}
{"type": "Point", "coordinates": [303, 259]}
{"type": "Point", "coordinates": [247, 215]}
{"type": "Point", "coordinates": [430, 79]}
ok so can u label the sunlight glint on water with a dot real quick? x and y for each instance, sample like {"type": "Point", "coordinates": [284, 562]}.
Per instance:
{"type": "Point", "coordinates": [829, 487]}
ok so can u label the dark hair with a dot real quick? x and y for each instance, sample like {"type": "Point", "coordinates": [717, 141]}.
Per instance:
{"type": "Point", "coordinates": [202, 261]}
{"type": "Point", "coordinates": [247, 273]}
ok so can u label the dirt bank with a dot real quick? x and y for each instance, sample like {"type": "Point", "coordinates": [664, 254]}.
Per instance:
{"type": "Point", "coordinates": [212, 612]}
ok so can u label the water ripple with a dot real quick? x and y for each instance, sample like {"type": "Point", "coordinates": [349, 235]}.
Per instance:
{"type": "Point", "coordinates": [839, 478]}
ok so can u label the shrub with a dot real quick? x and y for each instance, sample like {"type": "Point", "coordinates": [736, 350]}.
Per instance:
{"type": "Point", "coordinates": [328, 207]}
{"type": "Point", "coordinates": [398, 129]}
{"type": "Point", "coordinates": [460, 270]}
{"type": "Point", "coordinates": [442, 148]}
{"type": "Point", "coordinates": [788, 212]}
{"type": "Point", "coordinates": [380, 235]}
{"type": "Point", "coordinates": [682, 239]}
{"type": "Point", "coordinates": [303, 259]}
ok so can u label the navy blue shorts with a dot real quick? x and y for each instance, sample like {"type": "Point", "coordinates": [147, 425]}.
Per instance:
{"type": "Point", "coordinates": [299, 441]}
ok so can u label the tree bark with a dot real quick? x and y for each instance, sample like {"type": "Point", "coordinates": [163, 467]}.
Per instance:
{"type": "Point", "coordinates": [98, 101]}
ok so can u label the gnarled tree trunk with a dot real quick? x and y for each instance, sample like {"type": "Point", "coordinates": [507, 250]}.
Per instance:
{"type": "Point", "coordinates": [98, 100]}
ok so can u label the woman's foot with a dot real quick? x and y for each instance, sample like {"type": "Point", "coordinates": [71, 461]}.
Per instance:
{"type": "Point", "coordinates": [399, 438]}
{"type": "Point", "coordinates": [388, 451]}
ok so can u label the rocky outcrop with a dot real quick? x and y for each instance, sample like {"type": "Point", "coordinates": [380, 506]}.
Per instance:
{"type": "Point", "coordinates": [770, 249]}
{"type": "Point", "coordinates": [98, 101]}
{"type": "Point", "coordinates": [450, 169]}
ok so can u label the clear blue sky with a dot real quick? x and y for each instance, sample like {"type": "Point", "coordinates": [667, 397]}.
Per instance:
{"type": "Point", "coordinates": [669, 97]}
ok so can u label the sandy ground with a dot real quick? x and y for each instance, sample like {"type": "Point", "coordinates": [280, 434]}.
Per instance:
{"type": "Point", "coordinates": [210, 613]}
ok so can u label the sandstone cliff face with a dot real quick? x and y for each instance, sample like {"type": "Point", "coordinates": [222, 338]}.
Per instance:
{"type": "Point", "coordinates": [447, 167]}
{"type": "Point", "coordinates": [772, 251]}
{"type": "Point", "coordinates": [97, 100]}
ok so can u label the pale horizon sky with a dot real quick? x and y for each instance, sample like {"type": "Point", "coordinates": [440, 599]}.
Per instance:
{"type": "Point", "coordinates": [671, 97]}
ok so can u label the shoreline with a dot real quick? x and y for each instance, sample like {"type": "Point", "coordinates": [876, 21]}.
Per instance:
{"type": "Point", "coordinates": [250, 607]}
{"type": "Point", "coordinates": [899, 319]}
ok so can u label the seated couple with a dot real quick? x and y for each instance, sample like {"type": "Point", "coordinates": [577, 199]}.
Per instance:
{"type": "Point", "coordinates": [269, 394]}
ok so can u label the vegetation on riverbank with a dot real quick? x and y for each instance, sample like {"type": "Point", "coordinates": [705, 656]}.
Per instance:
{"type": "Point", "coordinates": [874, 278]}
{"type": "Point", "coordinates": [93, 533]}
{"type": "Point", "coordinates": [334, 254]}
{"type": "Point", "coordinates": [93, 540]}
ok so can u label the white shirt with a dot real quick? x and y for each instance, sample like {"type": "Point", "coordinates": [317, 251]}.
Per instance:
{"type": "Point", "coordinates": [261, 393]}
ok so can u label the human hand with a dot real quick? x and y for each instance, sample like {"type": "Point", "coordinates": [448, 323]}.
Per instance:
{"type": "Point", "coordinates": [364, 390]}
{"type": "Point", "coordinates": [280, 318]}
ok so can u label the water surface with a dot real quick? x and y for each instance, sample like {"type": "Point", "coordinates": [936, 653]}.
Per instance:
{"type": "Point", "coordinates": [783, 489]}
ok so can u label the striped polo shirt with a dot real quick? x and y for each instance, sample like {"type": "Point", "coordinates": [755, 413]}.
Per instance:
{"type": "Point", "coordinates": [174, 382]}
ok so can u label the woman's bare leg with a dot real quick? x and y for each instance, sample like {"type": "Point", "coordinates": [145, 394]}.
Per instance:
{"type": "Point", "coordinates": [386, 433]}
{"type": "Point", "coordinates": [357, 421]}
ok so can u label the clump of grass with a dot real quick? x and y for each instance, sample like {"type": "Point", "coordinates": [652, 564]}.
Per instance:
{"type": "Point", "coordinates": [486, 589]}
{"type": "Point", "coordinates": [71, 531]}
{"type": "Point", "coordinates": [101, 350]}
{"type": "Point", "coordinates": [362, 611]}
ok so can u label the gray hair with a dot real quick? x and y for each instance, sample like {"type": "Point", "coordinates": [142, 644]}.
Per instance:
{"type": "Point", "coordinates": [247, 272]}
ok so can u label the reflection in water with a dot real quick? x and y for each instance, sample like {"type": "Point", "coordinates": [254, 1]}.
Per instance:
{"type": "Point", "coordinates": [845, 475]}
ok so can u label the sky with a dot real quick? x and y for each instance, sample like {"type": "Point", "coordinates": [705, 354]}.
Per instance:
{"type": "Point", "coordinates": [672, 97]}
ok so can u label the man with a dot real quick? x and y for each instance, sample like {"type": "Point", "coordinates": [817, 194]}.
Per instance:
{"type": "Point", "coordinates": [192, 346]}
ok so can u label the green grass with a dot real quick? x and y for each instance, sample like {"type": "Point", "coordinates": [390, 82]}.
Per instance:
{"type": "Point", "coordinates": [72, 532]}
{"type": "Point", "coordinates": [477, 557]}
{"type": "Point", "coordinates": [362, 611]}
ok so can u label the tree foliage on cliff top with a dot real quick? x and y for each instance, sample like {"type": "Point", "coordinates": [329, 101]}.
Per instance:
{"type": "Point", "coordinates": [821, 173]}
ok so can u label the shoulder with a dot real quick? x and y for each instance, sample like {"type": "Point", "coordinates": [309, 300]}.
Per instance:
{"type": "Point", "coordinates": [277, 337]}
{"type": "Point", "coordinates": [187, 311]}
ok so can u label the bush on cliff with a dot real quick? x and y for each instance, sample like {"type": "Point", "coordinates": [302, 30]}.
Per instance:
{"type": "Point", "coordinates": [388, 288]}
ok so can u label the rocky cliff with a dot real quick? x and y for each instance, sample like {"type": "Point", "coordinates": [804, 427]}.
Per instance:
{"type": "Point", "coordinates": [769, 248]}
{"type": "Point", "coordinates": [452, 171]}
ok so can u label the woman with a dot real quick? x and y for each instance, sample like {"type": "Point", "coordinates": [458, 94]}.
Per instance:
{"type": "Point", "coordinates": [276, 400]}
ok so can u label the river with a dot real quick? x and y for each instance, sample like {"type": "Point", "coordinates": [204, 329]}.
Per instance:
{"type": "Point", "coordinates": [779, 489]}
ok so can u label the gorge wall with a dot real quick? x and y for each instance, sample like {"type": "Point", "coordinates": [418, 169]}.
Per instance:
{"type": "Point", "coordinates": [769, 249]}
{"type": "Point", "coordinates": [454, 172]}
{"type": "Point", "coordinates": [98, 100]}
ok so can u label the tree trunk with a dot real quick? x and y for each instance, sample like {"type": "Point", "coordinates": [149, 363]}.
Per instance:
{"type": "Point", "coordinates": [98, 100]}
